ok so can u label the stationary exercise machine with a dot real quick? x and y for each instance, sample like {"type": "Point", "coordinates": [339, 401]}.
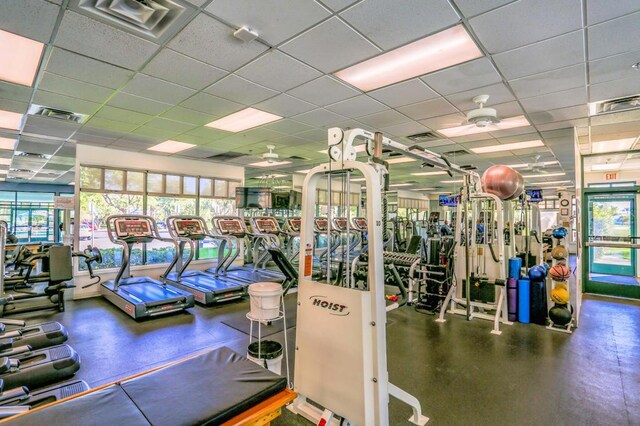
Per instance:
{"type": "Point", "coordinates": [266, 234]}
{"type": "Point", "coordinates": [341, 352]}
{"type": "Point", "coordinates": [207, 288]}
{"type": "Point", "coordinates": [292, 229]}
{"type": "Point", "coordinates": [140, 297]}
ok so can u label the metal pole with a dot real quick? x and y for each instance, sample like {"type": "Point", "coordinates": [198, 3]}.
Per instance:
{"type": "Point", "coordinates": [348, 245]}
{"type": "Point", "coordinates": [329, 227]}
{"type": "Point", "coordinates": [468, 244]}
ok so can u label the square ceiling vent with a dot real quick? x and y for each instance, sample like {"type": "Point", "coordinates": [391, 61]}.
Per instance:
{"type": "Point", "coordinates": [155, 20]}
{"type": "Point", "coordinates": [615, 105]}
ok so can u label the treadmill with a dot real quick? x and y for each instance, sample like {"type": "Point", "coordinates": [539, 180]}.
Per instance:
{"type": "Point", "coordinates": [140, 297]}
{"type": "Point", "coordinates": [293, 227]}
{"type": "Point", "coordinates": [207, 288]}
{"type": "Point", "coordinates": [234, 229]}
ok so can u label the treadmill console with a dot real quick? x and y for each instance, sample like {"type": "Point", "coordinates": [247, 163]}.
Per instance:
{"type": "Point", "coordinates": [340, 223]}
{"type": "Point", "coordinates": [294, 224]}
{"type": "Point", "coordinates": [266, 225]}
{"type": "Point", "coordinates": [360, 224]}
{"type": "Point", "coordinates": [189, 228]}
{"type": "Point", "coordinates": [230, 226]}
{"type": "Point", "coordinates": [321, 224]}
{"type": "Point", "coordinates": [137, 230]}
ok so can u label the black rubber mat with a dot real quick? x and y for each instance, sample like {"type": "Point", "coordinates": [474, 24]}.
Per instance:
{"type": "Point", "coordinates": [238, 321]}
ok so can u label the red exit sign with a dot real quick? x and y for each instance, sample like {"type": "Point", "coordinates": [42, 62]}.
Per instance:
{"type": "Point", "coordinates": [610, 176]}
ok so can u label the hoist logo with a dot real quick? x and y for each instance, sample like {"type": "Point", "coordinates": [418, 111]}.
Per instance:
{"type": "Point", "coordinates": [333, 307]}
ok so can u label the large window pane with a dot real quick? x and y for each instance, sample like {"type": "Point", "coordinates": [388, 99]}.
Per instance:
{"type": "Point", "coordinates": [113, 180]}
{"type": "Point", "coordinates": [173, 184]}
{"type": "Point", "coordinates": [220, 189]}
{"type": "Point", "coordinates": [94, 209]}
{"type": "Point", "coordinates": [189, 185]}
{"type": "Point", "coordinates": [206, 187]}
{"type": "Point", "coordinates": [232, 188]}
{"type": "Point", "coordinates": [90, 178]}
{"type": "Point", "coordinates": [154, 183]}
{"type": "Point", "coordinates": [135, 181]}
{"type": "Point", "coordinates": [208, 209]}
{"type": "Point", "coordinates": [160, 208]}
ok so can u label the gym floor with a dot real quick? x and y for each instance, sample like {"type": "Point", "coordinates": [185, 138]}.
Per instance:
{"type": "Point", "coordinates": [460, 372]}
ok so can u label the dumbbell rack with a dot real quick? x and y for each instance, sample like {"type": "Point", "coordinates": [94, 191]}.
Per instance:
{"type": "Point", "coordinates": [561, 328]}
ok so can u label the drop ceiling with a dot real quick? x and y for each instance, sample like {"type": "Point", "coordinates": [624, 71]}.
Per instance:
{"type": "Point", "coordinates": [544, 59]}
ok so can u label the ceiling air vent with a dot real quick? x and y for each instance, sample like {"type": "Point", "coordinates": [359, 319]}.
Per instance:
{"type": "Point", "coordinates": [226, 156]}
{"type": "Point", "coordinates": [297, 157]}
{"type": "Point", "coordinates": [32, 155]}
{"type": "Point", "coordinates": [58, 114]}
{"type": "Point", "coordinates": [455, 153]}
{"type": "Point", "coordinates": [424, 137]}
{"type": "Point", "coordinates": [615, 105]}
{"type": "Point", "coordinates": [155, 20]}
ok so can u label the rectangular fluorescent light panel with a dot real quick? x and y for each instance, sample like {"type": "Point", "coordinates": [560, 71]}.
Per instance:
{"type": "Point", "coordinates": [507, 147]}
{"type": "Point", "coordinates": [555, 182]}
{"type": "Point", "coordinates": [171, 147]}
{"type": "Point", "coordinates": [7, 143]}
{"type": "Point", "coordinates": [4, 172]}
{"type": "Point", "coordinates": [303, 171]}
{"type": "Point", "coordinates": [5, 161]}
{"type": "Point", "coordinates": [543, 175]}
{"type": "Point", "coordinates": [10, 120]}
{"type": "Point", "coordinates": [453, 181]}
{"type": "Point", "coordinates": [472, 129]}
{"type": "Point", "coordinates": [268, 164]}
{"type": "Point", "coordinates": [398, 185]}
{"type": "Point", "coordinates": [20, 57]}
{"type": "Point", "coordinates": [612, 146]}
{"type": "Point", "coordinates": [399, 160]}
{"type": "Point", "coordinates": [605, 167]}
{"type": "Point", "coordinates": [243, 120]}
{"type": "Point", "coordinates": [429, 173]}
{"type": "Point", "coordinates": [444, 49]}
{"type": "Point", "coordinates": [282, 187]}
{"type": "Point", "coordinates": [358, 180]}
{"type": "Point", "coordinates": [544, 163]}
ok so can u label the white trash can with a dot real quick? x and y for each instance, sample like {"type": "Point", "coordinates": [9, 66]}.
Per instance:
{"type": "Point", "coordinates": [267, 354]}
{"type": "Point", "coordinates": [265, 300]}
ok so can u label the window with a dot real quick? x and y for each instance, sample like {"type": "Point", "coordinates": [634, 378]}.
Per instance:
{"type": "Point", "coordinates": [160, 208]}
{"type": "Point", "coordinates": [155, 183]}
{"type": "Point", "coordinates": [172, 184]}
{"type": "Point", "coordinates": [113, 180]}
{"type": "Point", "coordinates": [220, 188]}
{"type": "Point", "coordinates": [206, 187]}
{"type": "Point", "coordinates": [135, 181]}
{"type": "Point", "coordinates": [91, 178]}
{"type": "Point", "coordinates": [210, 207]}
{"type": "Point", "coordinates": [189, 185]}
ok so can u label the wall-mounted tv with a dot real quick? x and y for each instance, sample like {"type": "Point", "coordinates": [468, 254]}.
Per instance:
{"type": "Point", "coordinates": [449, 200]}
{"type": "Point", "coordinates": [533, 195]}
{"type": "Point", "coordinates": [286, 200]}
{"type": "Point", "coordinates": [253, 198]}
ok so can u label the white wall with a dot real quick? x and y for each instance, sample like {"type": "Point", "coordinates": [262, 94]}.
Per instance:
{"type": "Point", "coordinates": [87, 155]}
{"type": "Point", "coordinates": [622, 176]}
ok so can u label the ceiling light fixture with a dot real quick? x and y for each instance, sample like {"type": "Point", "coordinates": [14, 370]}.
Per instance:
{"type": "Point", "coordinates": [20, 56]}
{"type": "Point", "coordinates": [612, 146]}
{"type": "Point", "coordinates": [453, 181]}
{"type": "Point", "coordinates": [269, 164]}
{"type": "Point", "coordinates": [444, 49]}
{"type": "Point", "coordinates": [10, 120]}
{"type": "Point", "coordinates": [555, 182]}
{"type": "Point", "coordinates": [399, 185]}
{"type": "Point", "coordinates": [272, 176]}
{"type": "Point", "coordinates": [525, 165]}
{"type": "Point", "coordinates": [5, 161]}
{"type": "Point", "coordinates": [400, 160]}
{"type": "Point", "coordinates": [429, 173]}
{"type": "Point", "coordinates": [7, 143]}
{"type": "Point", "coordinates": [605, 167]}
{"type": "Point", "coordinates": [303, 171]}
{"type": "Point", "coordinates": [507, 147]}
{"type": "Point", "coordinates": [543, 175]}
{"type": "Point", "coordinates": [171, 147]}
{"type": "Point", "coordinates": [472, 129]}
{"type": "Point", "coordinates": [282, 187]}
{"type": "Point", "coordinates": [358, 180]}
{"type": "Point", "coordinates": [243, 120]}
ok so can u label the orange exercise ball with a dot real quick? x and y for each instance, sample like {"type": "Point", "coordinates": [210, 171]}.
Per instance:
{"type": "Point", "coordinates": [503, 182]}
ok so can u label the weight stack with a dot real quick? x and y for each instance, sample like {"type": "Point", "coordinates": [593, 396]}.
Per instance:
{"type": "Point", "coordinates": [523, 300]}
{"type": "Point", "coordinates": [538, 302]}
{"type": "Point", "coordinates": [512, 298]}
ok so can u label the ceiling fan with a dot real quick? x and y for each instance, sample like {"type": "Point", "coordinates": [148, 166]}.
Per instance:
{"type": "Point", "coordinates": [537, 166]}
{"type": "Point", "coordinates": [270, 157]}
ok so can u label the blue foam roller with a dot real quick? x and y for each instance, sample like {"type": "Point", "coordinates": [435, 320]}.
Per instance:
{"type": "Point", "coordinates": [515, 265]}
{"type": "Point", "coordinates": [524, 287]}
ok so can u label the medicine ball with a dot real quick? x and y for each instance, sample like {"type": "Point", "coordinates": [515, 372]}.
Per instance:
{"type": "Point", "coordinates": [560, 295]}
{"type": "Point", "coordinates": [537, 273]}
{"type": "Point", "coordinates": [560, 315]}
{"type": "Point", "coordinates": [502, 181]}
{"type": "Point", "coordinates": [562, 284]}
{"type": "Point", "coordinates": [546, 266]}
{"type": "Point", "coordinates": [559, 252]}
{"type": "Point", "coordinates": [559, 272]}
{"type": "Point", "coordinates": [560, 232]}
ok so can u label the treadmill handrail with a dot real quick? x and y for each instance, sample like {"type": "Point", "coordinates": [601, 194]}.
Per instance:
{"type": "Point", "coordinates": [227, 260]}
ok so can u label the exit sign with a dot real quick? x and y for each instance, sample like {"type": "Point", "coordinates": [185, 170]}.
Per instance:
{"type": "Point", "coordinates": [610, 176]}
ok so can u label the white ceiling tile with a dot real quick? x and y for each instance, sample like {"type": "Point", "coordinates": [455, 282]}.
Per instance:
{"type": "Point", "coordinates": [170, 125]}
{"type": "Point", "coordinates": [405, 93]}
{"type": "Point", "coordinates": [547, 55]}
{"type": "Point", "coordinates": [262, 133]}
{"type": "Point", "coordinates": [211, 105]}
{"type": "Point", "coordinates": [473, 138]}
{"type": "Point", "coordinates": [600, 11]}
{"type": "Point", "coordinates": [615, 36]}
{"type": "Point", "coordinates": [477, 73]}
{"type": "Point", "coordinates": [278, 71]}
{"type": "Point", "coordinates": [287, 126]}
{"type": "Point", "coordinates": [562, 114]}
{"type": "Point", "coordinates": [319, 117]}
{"type": "Point", "coordinates": [285, 105]}
{"type": "Point", "coordinates": [49, 127]}
{"type": "Point", "coordinates": [156, 89]}
{"type": "Point", "coordinates": [123, 115]}
{"type": "Point", "coordinates": [357, 106]}
{"type": "Point", "coordinates": [471, 8]}
{"type": "Point", "coordinates": [389, 25]}
{"type": "Point", "coordinates": [15, 92]}
{"type": "Point", "coordinates": [154, 133]}
{"type": "Point", "coordinates": [504, 28]}
{"type": "Point", "coordinates": [81, 68]}
{"type": "Point", "coordinates": [323, 91]}
{"type": "Point", "coordinates": [336, 5]}
{"type": "Point", "coordinates": [106, 124]}
{"type": "Point", "coordinates": [13, 106]}
{"type": "Point", "coordinates": [208, 133]}
{"type": "Point", "coordinates": [444, 121]}
{"type": "Point", "coordinates": [383, 119]}
{"type": "Point", "coordinates": [315, 135]}
{"type": "Point", "coordinates": [428, 109]}
{"type": "Point", "coordinates": [516, 134]}
{"type": "Point", "coordinates": [66, 103]}
{"type": "Point", "coordinates": [199, 152]}
{"type": "Point", "coordinates": [89, 37]}
{"type": "Point", "coordinates": [563, 125]}
{"type": "Point", "coordinates": [180, 69]}
{"type": "Point", "coordinates": [607, 69]}
{"type": "Point", "coordinates": [212, 42]}
{"type": "Point", "coordinates": [550, 81]}
{"type": "Point", "coordinates": [405, 129]}
{"type": "Point", "coordinates": [138, 103]}
{"type": "Point", "coordinates": [33, 19]}
{"type": "Point", "coordinates": [187, 115]}
{"type": "Point", "coordinates": [498, 93]}
{"type": "Point", "coordinates": [274, 20]}
{"type": "Point", "coordinates": [74, 88]}
{"type": "Point", "coordinates": [330, 46]}
{"type": "Point", "coordinates": [614, 89]}
{"type": "Point", "coordinates": [557, 100]}
{"type": "Point", "coordinates": [237, 89]}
